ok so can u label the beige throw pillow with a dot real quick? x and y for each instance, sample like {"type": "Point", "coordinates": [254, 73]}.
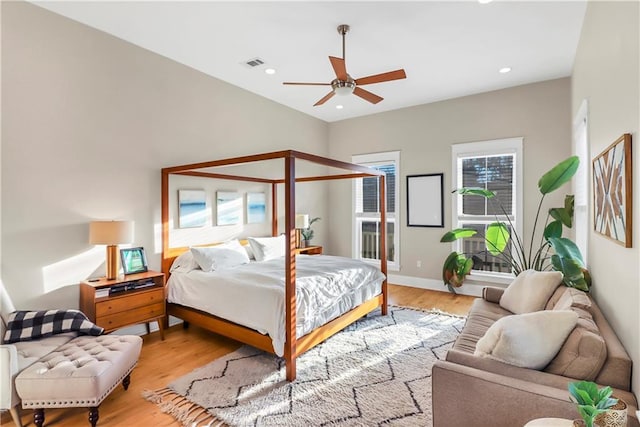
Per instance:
{"type": "Point", "coordinates": [528, 340]}
{"type": "Point", "coordinates": [530, 291]}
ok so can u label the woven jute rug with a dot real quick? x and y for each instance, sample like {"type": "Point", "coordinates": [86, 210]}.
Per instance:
{"type": "Point", "coordinates": [377, 371]}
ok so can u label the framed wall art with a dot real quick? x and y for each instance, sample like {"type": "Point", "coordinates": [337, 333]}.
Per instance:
{"type": "Point", "coordinates": [425, 194]}
{"type": "Point", "coordinates": [229, 207]}
{"type": "Point", "coordinates": [256, 208]}
{"type": "Point", "coordinates": [612, 192]}
{"type": "Point", "coordinates": [192, 208]}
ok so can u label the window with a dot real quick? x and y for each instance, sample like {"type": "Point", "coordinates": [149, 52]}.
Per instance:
{"type": "Point", "coordinates": [581, 183]}
{"type": "Point", "coordinates": [366, 196]}
{"type": "Point", "coordinates": [492, 165]}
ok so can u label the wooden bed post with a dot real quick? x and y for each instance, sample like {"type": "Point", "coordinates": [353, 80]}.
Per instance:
{"type": "Point", "coordinates": [290, 267]}
{"type": "Point", "coordinates": [274, 209]}
{"type": "Point", "coordinates": [383, 241]}
{"type": "Point", "coordinates": [164, 217]}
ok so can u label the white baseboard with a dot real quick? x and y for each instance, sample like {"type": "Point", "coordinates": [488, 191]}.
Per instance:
{"type": "Point", "coordinates": [472, 289]}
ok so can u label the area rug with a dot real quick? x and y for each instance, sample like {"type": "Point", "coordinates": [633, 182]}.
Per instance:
{"type": "Point", "coordinates": [377, 371]}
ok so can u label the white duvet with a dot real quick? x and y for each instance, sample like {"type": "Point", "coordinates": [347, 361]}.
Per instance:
{"type": "Point", "coordinates": [252, 294]}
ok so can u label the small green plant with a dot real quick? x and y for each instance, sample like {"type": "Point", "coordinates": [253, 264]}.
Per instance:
{"type": "Point", "coordinates": [591, 401]}
{"type": "Point", "coordinates": [307, 233]}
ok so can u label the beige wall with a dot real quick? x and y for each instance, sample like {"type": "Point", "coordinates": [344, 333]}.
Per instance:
{"type": "Point", "coordinates": [538, 112]}
{"type": "Point", "coordinates": [606, 74]}
{"type": "Point", "coordinates": [88, 121]}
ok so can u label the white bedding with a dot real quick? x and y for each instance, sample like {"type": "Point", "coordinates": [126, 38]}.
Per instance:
{"type": "Point", "coordinates": [252, 294]}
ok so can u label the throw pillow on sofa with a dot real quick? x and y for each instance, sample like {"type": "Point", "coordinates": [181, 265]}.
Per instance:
{"type": "Point", "coordinates": [529, 340]}
{"type": "Point", "coordinates": [530, 291]}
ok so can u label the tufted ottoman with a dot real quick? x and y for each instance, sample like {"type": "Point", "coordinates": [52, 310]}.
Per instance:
{"type": "Point", "coordinates": [81, 373]}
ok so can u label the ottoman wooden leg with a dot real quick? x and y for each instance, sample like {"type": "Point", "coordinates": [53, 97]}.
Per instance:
{"type": "Point", "coordinates": [93, 416]}
{"type": "Point", "coordinates": [38, 417]}
{"type": "Point", "coordinates": [126, 381]}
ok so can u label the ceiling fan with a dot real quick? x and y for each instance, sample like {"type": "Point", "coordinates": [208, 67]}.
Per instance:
{"type": "Point", "coordinates": [344, 84]}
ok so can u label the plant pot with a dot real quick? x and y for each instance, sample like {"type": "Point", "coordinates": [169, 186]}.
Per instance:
{"type": "Point", "coordinates": [616, 416]}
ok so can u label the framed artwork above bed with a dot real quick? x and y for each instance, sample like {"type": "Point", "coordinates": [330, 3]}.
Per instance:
{"type": "Point", "coordinates": [192, 208]}
{"type": "Point", "coordinates": [229, 208]}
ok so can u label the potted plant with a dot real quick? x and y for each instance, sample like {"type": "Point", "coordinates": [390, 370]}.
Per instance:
{"type": "Point", "coordinates": [307, 233]}
{"type": "Point", "coordinates": [502, 241]}
{"type": "Point", "coordinates": [591, 401]}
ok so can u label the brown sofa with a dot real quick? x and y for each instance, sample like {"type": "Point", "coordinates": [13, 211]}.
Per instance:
{"type": "Point", "coordinates": [475, 391]}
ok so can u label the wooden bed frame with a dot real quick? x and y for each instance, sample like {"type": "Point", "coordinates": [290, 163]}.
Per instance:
{"type": "Point", "coordinates": [293, 346]}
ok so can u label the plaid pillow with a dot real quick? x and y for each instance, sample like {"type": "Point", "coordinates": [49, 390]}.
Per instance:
{"type": "Point", "coordinates": [28, 325]}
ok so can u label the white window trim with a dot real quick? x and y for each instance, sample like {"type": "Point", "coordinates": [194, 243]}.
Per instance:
{"type": "Point", "coordinates": [378, 158]}
{"type": "Point", "coordinates": [483, 148]}
{"type": "Point", "coordinates": [581, 210]}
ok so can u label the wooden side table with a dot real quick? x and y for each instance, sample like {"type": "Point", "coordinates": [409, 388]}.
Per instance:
{"type": "Point", "coordinates": [310, 250]}
{"type": "Point", "coordinates": [136, 298]}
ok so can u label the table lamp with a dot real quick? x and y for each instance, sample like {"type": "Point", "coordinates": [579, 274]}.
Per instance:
{"type": "Point", "coordinates": [112, 234]}
{"type": "Point", "coordinates": [302, 221]}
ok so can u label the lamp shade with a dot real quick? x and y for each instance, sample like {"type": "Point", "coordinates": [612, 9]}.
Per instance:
{"type": "Point", "coordinates": [302, 221]}
{"type": "Point", "coordinates": [110, 232]}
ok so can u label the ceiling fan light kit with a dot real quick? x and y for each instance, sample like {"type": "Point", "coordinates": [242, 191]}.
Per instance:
{"type": "Point", "coordinates": [344, 84]}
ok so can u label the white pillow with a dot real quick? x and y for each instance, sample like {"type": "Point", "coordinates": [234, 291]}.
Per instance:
{"type": "Point", "coordinates": [184, 263]}
{"type": "Point", "coordinates": [250, 253]}
{"type": "Point", "coordinates": [528, 340]}
{"type": "Point", "coordinates": [266, 248]}
{"type": "Point", "coordinates": [530, 291]}
{"type": "Point", "coordinates": [220, 257]}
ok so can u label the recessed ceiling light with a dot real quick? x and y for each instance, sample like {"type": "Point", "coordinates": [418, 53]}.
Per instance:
{"type": "Point", "coordinates": [484, 1]}
{"type": "Point", "coordinates": [270, 71]}
{"type": "Point", "coordinates": [339, 107]}
{"type": "Point", "coordinates": [504, 70]}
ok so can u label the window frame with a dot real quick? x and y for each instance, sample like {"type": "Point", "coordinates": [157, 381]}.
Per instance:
{"type": "Point", "coordinates": [371, 160]}
{"type": "Point", "coordinates": [494, 147]}
{"type": "Point", "coordinates": [582, 180]}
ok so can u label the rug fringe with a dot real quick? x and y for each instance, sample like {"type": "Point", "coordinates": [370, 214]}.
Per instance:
{"type": "Point", "coordinates": [188, 413]}
{"type": "Point", "coordinates": [432, 310]}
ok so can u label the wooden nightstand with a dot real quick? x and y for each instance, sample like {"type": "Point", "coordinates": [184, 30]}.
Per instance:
{"type": "Point", "coordinates": [136, 298]}
{"type": "Point", "coordinates": [310, 250]}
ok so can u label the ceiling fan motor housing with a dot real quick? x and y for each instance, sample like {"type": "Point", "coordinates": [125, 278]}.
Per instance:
{"type": "Point", "coordinates": [343, 87]}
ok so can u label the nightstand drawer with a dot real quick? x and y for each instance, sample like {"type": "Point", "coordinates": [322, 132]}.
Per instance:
{"type": "Point", "coordinates": [130, 317]}
{"type": "Point", "coordinates": [118, 305]}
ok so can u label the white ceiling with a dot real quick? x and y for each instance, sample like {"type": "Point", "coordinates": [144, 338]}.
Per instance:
{"type": "Point", "coordinates": [448, 49]}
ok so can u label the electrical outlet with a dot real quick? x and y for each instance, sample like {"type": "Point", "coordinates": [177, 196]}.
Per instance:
{"type": "Point", "coordinates": [418, 263]}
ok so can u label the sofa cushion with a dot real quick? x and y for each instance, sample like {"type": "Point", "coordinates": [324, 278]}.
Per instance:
{"type": "Point", "coordinates": [530, 291]}
{"type": "Point", "coordinates": [529, 340]}
{"type": "Point", "coordinates": [482, 315]}
{"type": "Point", "coordinates": [581, 356]}
{"type": "Point", "coordinates": [565, 298]}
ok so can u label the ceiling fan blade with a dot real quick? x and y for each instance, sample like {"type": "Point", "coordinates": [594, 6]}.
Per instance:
{"type": "Point", "coordinates": [339, 67]}
{"type": "Point", "coordinates": [325, 99]}
{"type": "Point", "coordinates": [384, 77]}
{"type": "Point", "coordinates": [367, 96]}
{"type": "Point", "coordinates": [306, 84]}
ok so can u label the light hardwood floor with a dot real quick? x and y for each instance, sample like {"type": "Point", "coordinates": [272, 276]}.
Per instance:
{"type": "Point", "coordinates": [184, 350]}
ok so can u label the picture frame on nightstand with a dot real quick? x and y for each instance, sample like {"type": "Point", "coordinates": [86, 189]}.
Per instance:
{"type": "Point", "coordinates": [133, 260]}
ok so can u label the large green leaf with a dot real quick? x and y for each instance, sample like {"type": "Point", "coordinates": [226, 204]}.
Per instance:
{"type": "Point", "coordinates": [553, 229]}
{"type": "Point", "coordinates": [471, 191]}
{"type": "Point", "coordinates": [565, 248]}
{"type": "Point", "coordinates": [496, 238]}
{"type": "Point", "coordinates": [559, 175]}
{"type": "Point", "coordinates": [564, 214]}
{"type": "Point", "coordinates": [458, 233]}
{"type": "Point", "coordinates": [455, 268]}
{"type": "Point", "coordinates": [572, 272]}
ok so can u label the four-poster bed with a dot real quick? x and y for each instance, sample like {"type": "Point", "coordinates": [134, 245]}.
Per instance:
{"type": "Point", "coordinates": [294, 345]}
